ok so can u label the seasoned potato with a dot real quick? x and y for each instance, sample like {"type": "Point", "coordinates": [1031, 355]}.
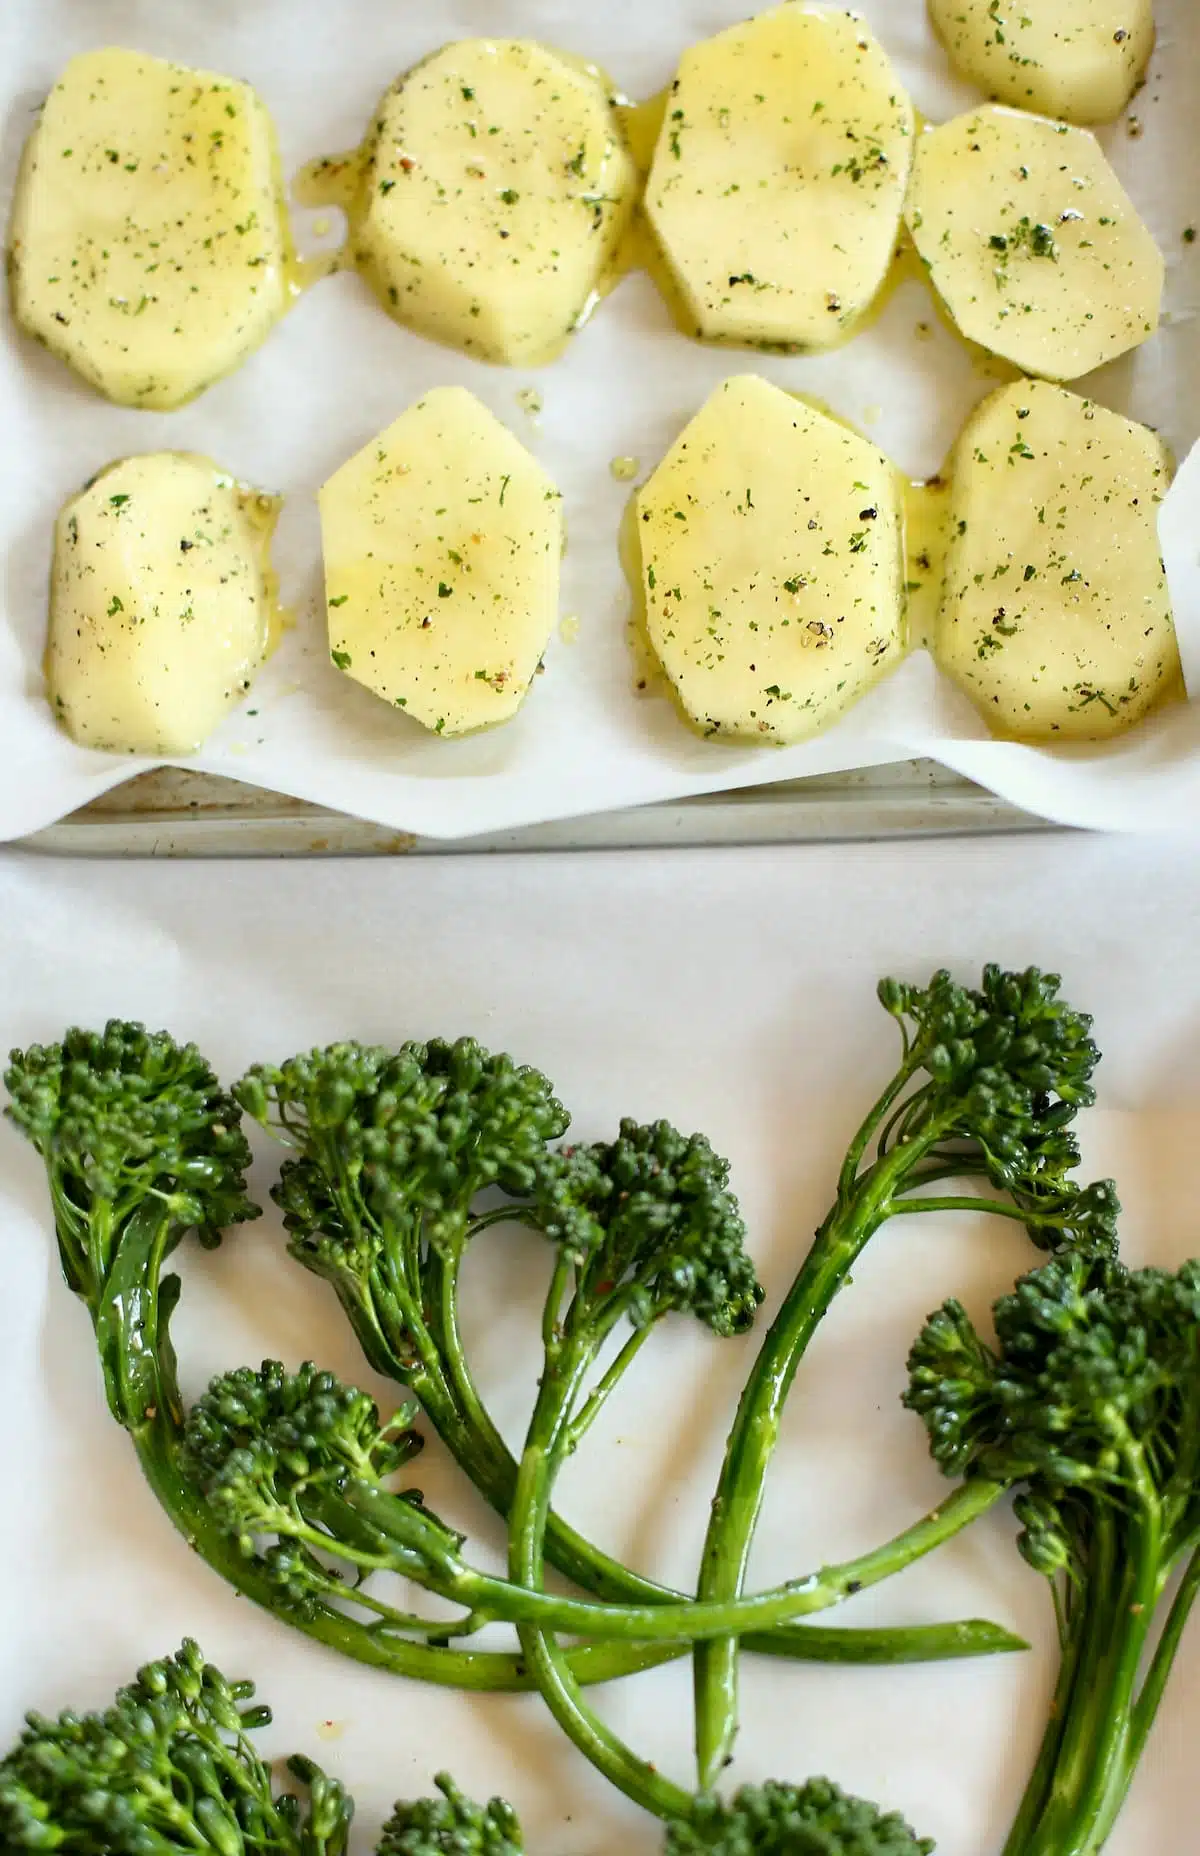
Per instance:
{"type": "Point", "coordinates": [149, 246]}
{"type": "Point", "coordinates": [160, 604]}
{"type": "Point", "coordinates": [498, 191]}
{"type": "Point", "coordinates": [1032, 243]}
{"type": "Point", "coordinates": [443, 543]}
{"type": "Point", "coordinates": [779, 178]}
{"type": "Point", "coordinates": [771, 556]}
{"type": "Point", "coordinates": [1056, 615]}
{"type": "Point", "coordinates": [1077, 59]}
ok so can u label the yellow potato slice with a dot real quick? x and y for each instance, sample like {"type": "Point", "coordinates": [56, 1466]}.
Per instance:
{"type": "Point", "coordinates": [1032, 243]}
{"type": "Point", "coordinates": [499, 189]}
{"type": "Point", "coordinates": [443, 543]}
{"type": "Point", "coordinates": [1080, 60]}
{"type": "Point", "coordinates": [160, 604]}
{"type": "Point", "coordinates": [149, 247]}
{"type": "Point", "coordinates": [779, 178]}
{"type": "Point", "coordinates": [1056, 614]}
{"type": "Point", "coordinates": [771, 559]}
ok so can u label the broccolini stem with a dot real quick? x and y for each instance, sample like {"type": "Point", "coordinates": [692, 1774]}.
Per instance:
{"type": "Point", "coordinates": [1154, 1686]}
{"type": "Point", "coordinates": [493, 1470]}
{"type": "Point", "coordinates": [1033, 1802]}
{"type": "Point", "coordinates": [545, 1450]}
{"type": "Point", "coordinates": [1092, 1772]}
{"type": "Point", "coordinates": [515, 1601]}
{"type": "Point", "coordinates": [862, 1206]}
{"type": "Point", "coordinates": [598, 1397]}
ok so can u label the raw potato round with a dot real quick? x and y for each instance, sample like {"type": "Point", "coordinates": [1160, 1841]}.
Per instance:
{"type": "Point", "coordinates": [1080, 60]}
{"type": "Point", "coordinates": [443, 544]}
{"type": "Point", "coordinates": [779, 178]}
{"type": "Point", "coordinates": [160, 609]}
{"type": "Point", "coordinates": [497, 194]}
{"type": "Point", "coordinates": [771, 555]}
{"type": "Point", "coordinates": [1032, 243]}
{"type": "Point", "coordinates": [149, 246]}
{"type": "Point", "coordinates": [1056, 615]}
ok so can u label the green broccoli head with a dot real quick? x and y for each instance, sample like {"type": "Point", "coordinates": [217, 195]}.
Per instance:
{"type": "Point", "coordinates": [816, 1819]}
{"type": "Point", "coordinates": [451, 1826]}
{"type": "Point", "coordinates": [650, 1215]}
{"type": "Point", "coordinates": [261, 1444]}
{"type": "Point", "coordinates": [125, 1116]}
{"type": "Point", "coordinates": [1008, 1068]}
{"type": "Point", "coordinates": [385, 1137]}
{"type": "Point", "coordinates": [1090, 1394]}
{"type": "Point", "coordinates": [168, 1766]}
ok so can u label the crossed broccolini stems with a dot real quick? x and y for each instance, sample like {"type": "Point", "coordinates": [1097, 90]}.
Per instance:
{"type": "Point", "coordinates": [281, 1480]}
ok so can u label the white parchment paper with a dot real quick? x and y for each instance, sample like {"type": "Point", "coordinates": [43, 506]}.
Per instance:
{"type": "Point", "coordinates": [338, 370]}
{"type": "Point", "coordinates": [733, 992]}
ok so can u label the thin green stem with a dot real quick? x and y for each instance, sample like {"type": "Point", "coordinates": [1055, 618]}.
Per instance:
{"type": "Point", "coordinates": [1154, 1686]}
{"type": "Point", "coordinates": [869, 1127]}
{"type": "Point", "coordinates": [755, 1432]}
{"type": "Point", "coordinates": [1092, 1772]}
{"type": "Point", "coordinates": [514, 1601]}
{"type": "Point", "coordinates": [542, 1457]}
{"type": "Point", "coordinates": [598, 1397]}
{"type": "Point", "coordinates": [1033, 1799]}
{"type": "Point", "coordinates": [493, 1470]}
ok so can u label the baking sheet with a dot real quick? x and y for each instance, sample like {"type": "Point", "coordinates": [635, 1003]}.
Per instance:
{"type": "Point", "coordinates": [734, 994]}
{"type": "Point", "coordinates": [338, 370]}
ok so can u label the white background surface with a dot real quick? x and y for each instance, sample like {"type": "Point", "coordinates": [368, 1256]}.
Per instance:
{"type": "Point", "coordinates": [732, 992]}
{"type": "Point", "coordinates": [337, 371]}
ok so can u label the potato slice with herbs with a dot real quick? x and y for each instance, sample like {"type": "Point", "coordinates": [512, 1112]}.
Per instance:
{"type": "Point", "coordinates": [1032, 243]}
{"type": "Point", "coordinates": [149, 246]}
{"type": "Point", "coordinates": [779, 178]}
{"type": "Point", "coordinates": [498, 190]}
{"type": "Point", "coordinates": [443, 543]}
{"type": "Point", "coordinates": [771, 558]}
{"type": "Point", "coordinates": [1080, 60]}
{"type": "Point", "coordinates": [160, 603]}
{"type": "Point", "coordinates": [1056, 614]}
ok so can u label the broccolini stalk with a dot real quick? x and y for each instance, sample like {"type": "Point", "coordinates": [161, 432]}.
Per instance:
{"type": "Point", "coordinates": [141, 1147]}
{"type": "Point", "coordinates": [302, 1461]}
{"type": "Point", "coordinates": [645, 1227]}
{"type": "Point", "coordinates": [1091, 1400]}
{"type": "Point", "coordinates": [167, 1767]}
{"type": "Point", "coordinates": [392, 1151]}
{"type": "Point", "coordinates": [988, 1084]}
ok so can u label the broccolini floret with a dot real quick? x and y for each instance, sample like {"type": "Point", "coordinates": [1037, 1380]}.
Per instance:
{"type": "Point", "coordinates": [1090, 1403]}
{"type": "Point", "coordinates": [167, 1767]}
{"type": "Point", "coordinates": [391, 1152]}
{"type": "Point", "coordinates": [141, 1146]}
{"type": "Point", "coordinates": [817, 1819]}
{"type": "Point", "coordinates": [451, 1825]}
{"type": "Point", "coordinates": [988, 1084]}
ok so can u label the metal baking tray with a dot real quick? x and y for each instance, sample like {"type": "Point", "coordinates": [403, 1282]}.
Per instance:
{"type": "Point", "coordinates": [174, 813]}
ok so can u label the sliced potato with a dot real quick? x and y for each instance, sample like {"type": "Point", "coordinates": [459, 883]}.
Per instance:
{"type": "Point", "coordinates": [1080, 60]}
{"type": "Point", "coordinates": [779, 178]}
{"type": "Point", "coordinates": [498, 191]}
{"type": "Point", "coordinates": [443, 543]}
{"type": "Point", "coordinates": [771, 556]}
{"type": "Point", "coordinates": [1056, 615]}
{"type": "Point", "coordinates": [160, 605]}
{"type": "Point", "coordinates": [149, 245]}
{"type": "Point", "coordinates": [1032, 243]}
